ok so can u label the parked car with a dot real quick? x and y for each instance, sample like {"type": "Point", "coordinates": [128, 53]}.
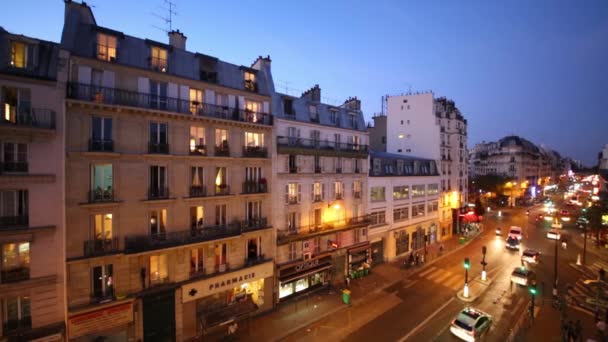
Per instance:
{"type": "Point", "coordinates": [512, 243]}
{"type": "Point", "coordinates": [470, 324]}
{"type": "Point", "coordinates": [522, 276]}
{"type": "Point", "coordinates": [531, 256]}
{"type": "Point", "coordinates": [554, 234]}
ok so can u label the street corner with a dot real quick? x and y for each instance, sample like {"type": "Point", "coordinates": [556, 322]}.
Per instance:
{"type": "Point", "coordinates": [468, 299]}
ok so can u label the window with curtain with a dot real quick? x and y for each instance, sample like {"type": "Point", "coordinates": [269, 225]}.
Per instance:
{"type": "Point", "coordinates": [102, 226]}
{"type": "Point", "coordinates": [158, 60]}
{"type": "Point", "coordinates": [158, 268]}
{"type": "Point", "coordinates": [106, 47]}
{"type": "Point", "coordinates": [19, 55]}
{"type": "Point", "coordinates": [196, 100]}
{"type": "Point", "coordinates": [158, 222]}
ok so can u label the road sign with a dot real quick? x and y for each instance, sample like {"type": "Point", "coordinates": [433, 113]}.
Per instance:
{"type": "Point", "coordinates": [593, 301]}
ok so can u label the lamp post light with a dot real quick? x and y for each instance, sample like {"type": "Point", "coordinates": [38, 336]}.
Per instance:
{"type": "Point", "coordinates": [483, 264]}
{"type": "Point", "coordinates": [467, 265]}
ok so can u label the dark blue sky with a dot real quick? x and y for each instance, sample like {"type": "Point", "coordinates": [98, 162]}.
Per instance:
{"type": "Point", "coordinates": [532, 68]}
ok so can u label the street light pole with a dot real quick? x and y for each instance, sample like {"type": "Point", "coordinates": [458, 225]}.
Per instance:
{"type": "Point", "coordinates": [555, 263]}
{"type": "Point", "coordinates": [483, 263]}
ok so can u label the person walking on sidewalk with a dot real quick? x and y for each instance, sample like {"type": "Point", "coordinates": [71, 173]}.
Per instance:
{"type": "Point", "coordinates": [411, 259]}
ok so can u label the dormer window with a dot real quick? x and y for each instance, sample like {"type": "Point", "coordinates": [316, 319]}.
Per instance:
{"type": "Point", "coordinates": [333, 116]}
{"type": "Point", "coordinates": [106, 47]}
{"type": "Point", "coordinates": [158, 61]}
{"type": "Point", "coordinates": [250, 83]}
{"type": "Point", "coordinates": [19, 55]}
{"type": "Point", "coordinates": [314, 115]}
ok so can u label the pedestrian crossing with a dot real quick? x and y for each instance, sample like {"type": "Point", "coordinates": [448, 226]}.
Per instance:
{"type": "Point", "coordinates": [579, 292]}
{"type": "Point", "coordinates": [455, 281]}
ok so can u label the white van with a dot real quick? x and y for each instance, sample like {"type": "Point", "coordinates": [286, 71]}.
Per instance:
{"type": "Point", "coordinates": [515, 232]}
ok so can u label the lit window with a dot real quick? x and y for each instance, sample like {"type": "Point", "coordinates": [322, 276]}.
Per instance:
{"type": "Point", "coordinates": [196, 101]}
{"type": "Point", "coordinates": [106, 47]}
{"type": "Point", "coordinates": [197, 140]}
{"type": "Point", "coordinates": [254, 139]}
{"type": "Point", "coordinates": [158, 268]}
{"type": "Point", "coordinates": [18, 55]}
{"type": "Point", "coordinates": [250, 81]}
{"type": "Point", "coordinates": [159, 59]}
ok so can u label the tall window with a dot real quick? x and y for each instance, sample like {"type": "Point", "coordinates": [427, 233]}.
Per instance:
{"type": "Point", "coordinates": [158, 60]}
{"type": "Point", "coordinates": [158, 137]}
{"type": "Point", "coordinates": [221, 256]}
{"type": "Point", "coordinates": [253, 210]}
{"type": "Point", "coordinates": [252, 111]}
{"type": "Point", "coordinates": [317, 162]}
{"type": "Point", "coordinates": [293, 251]}
{"type": "Point", "coordinates": [377, 194]}
{"type": "Point", "coordinates": [338, 164]}
{"type": "Point", "coordinates": [15, 262]}
{"type": "Point", "coordinates": [254, 139]}
{"type": "Point", "coordinates": [106, 47]}
{"type": "Point", "coordinates": [158, 269]}
{"type": "Point", "coordinates": [101, 134]}
{"type": "Point", "coordinates": [16, 104]}
{"type": "Point", "coordinates": [221, 141]}
{"type": "Point", "coordinates": [19, 55]}
{"type": "Point", "coordinates": [401, 192]}
{"type": "Point", "coordinates": [293, 193]}
{"type": "Point", "coordinates": [220, 214]}
{"type": "Point", "coordinates": [14, 207]}
{"type": "Point", "coordinates": [197, 181]}
{"type": "Point", "coordinates": [253, 174]}
{"type": "Point", "coordinates": [13, 157]}
{"type": "Point", "coordinates": [196, 100]}
{"type": "Point", "coordinates": [197, 217]}
{"type": "Point", "coordinates": [339, 190]}
{"type": "Point", "coordinates": [250, 81]}
{"type": "Point", "coordinates": [101, 182]}
{"type": "Point", "coordinates": [102, 226]}
{"type": "Point", "coordinates": [158, 182]}
{"type": "Point", "coordinates": [333, 116]}
{"type": "Point", "coordinates": [158, 222]}
{"type": "Point", "coordinates": [197, 140]}
{"type": "Point", "coordinates": [197, 258]}
{"type": "Point", "coordinates": [103, 282]}
{"type": "Point", "coordinates": [317, 191]}
{"type": "Point", "coordinates": [158, 95]}
{"type": "Point", "coordinates": [357, 189]}
{"type": "Point", "coordinates": [292, 221]}
{"type": "Point", "coordinates": [314, 115]}
{"type": "Point", "coordinates": [221, 184]}
{"type": "Point", "coordinates": [17, 313]}
{"type": "Point", "coordinates": [292, 163]}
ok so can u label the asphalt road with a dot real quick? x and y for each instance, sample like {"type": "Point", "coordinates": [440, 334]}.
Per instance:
{"type": "Point", "coordinates": [421, 307]}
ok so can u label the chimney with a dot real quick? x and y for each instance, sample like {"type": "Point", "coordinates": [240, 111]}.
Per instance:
{"type": "Point", "coordinates": [352, 103]}
{"type": "Point", "coordinates": [313, 94]}
{"type": "Point", "coordinates": [177, 40]}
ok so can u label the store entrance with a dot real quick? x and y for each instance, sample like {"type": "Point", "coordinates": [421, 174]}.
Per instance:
{"type": "Point", "coordinates": [159, 317]}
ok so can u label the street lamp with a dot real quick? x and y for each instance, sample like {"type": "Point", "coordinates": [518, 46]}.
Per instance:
{"type": "Point", "coordinates": [483, 263]}
{"type": "Point", "coordinates": [467, 265]}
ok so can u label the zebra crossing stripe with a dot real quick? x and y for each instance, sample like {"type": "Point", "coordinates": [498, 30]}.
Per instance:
{"type": "Point", "coordinates": [433, 276]}
{"type": "Point", "coordinates": [423, 273]}
{"type": "Point", "coordinates": [455, 282]}
{"type": "Point", "coordinates": [443, 277]}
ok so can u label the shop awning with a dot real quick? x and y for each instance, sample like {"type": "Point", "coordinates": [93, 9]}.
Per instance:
{"type": "Point", "coordinates": [303, 274]}
{"type": "Point", "coordinates": [360, 248]}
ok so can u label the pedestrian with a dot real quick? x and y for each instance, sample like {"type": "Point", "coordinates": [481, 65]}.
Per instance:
{"type": "Point", "coordinates": [578, 331]}
{"type": "Point", "coordinates": [564, 244]}
{"type": "Point", "coordinates": [411, 258]}
{"type": "Point", "coordinates": [441, 248]}
{"type": "Point", "coordinates": [417, 258]}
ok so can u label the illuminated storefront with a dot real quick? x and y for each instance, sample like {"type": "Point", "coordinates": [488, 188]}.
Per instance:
{"type": "Point", "coordinates": [359, 260]}
{"type": "Point", "coordinates": [307, 275]}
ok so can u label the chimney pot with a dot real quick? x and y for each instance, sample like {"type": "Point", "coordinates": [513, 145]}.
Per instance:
{"type": "Point", "coordinates": [177, 40]}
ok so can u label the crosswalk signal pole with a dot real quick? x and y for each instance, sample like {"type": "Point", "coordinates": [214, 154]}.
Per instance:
{"type": "Point", "coordinates": [465, 291]}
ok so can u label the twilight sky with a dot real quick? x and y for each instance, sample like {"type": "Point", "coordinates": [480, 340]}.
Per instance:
{"type": "Point", "coordinates": [533, 68]}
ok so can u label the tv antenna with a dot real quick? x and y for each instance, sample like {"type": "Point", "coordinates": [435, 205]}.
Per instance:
{"type": "Point", "coordinates": [168, 7]}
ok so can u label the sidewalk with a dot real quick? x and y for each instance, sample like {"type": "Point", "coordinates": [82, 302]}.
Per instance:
{"type": "Point", "coordinates": [290, 317]}
{"type": "Point", "coordinates": [578, 240]}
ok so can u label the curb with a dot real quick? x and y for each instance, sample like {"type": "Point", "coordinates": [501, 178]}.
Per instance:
{"type": "Point", "coordinates": [376, 291]}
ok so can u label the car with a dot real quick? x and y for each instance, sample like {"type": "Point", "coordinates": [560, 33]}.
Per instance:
{"type": "Point", "coordinates": [531, 256]}
{"type": "Point", "coordinates": [522, 276]}
{"type": "Point", "coordinates": [582, 222]}
{"type": "Point", "coordinates": [498, 231]}
{"type": "Point", "coordinates": [539, 217]}
{"type": "Point", "coordinates": [470, 324]}
{"type": "Point", "coordinates": [512, 243]}
{"type": "Point", "coordinates": [515, 232]}
{"type": "Point", "coordinates": [554, 234]}
{"type": "Point", "coordinates": [564, 213]}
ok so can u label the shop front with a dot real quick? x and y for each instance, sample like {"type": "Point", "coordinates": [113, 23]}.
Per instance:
{"type": "Point", "coordinates": [378, 252]}
{"type": "Point", "coordinates": [359, 260]}
{"type": "Point", "coordinates": [110, 323]}
{"type": "Point", "coordinates": [230, 296]}
{"type": "Point", "coordinates": [303, 276]}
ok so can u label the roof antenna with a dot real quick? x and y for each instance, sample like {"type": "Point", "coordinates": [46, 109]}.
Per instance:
{"type": "Point", "coordinates": [169, 7]}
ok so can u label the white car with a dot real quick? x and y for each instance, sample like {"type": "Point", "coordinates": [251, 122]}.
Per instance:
{"type": "Point", "coordinates": [553, 234]}
{"type": "Point", "coordinates": [470, 324]}
{"type": "Point", "coordinates": [521, 276]}
{"type": "Point", "coordinates": [531, 256]}
{"type": "Point", "coordinates": [515, 232]}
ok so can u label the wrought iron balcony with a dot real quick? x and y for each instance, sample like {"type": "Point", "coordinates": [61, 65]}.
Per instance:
{"type": "Point", "coordinates": [14, 275]}
{"type": "Point", "coordinates": [24, 116]}
{"type": "Point", "coordinates": [254, 224]}
{"type": "Point", "coordinates": [338, 170]}
{"type": "Point", "coordinates": [317, 198]}
{"type": "Point", "coordinates": [222, 150]}
{"type": "Point", "coordinates": [121, 97]}
{"type": "Point", "coordinates": [101, 195]}
{"type": "Point", "coordinates": [314, 146]}
{"type": "Point", "coordinates": [17, 325]}
{"type": "Point", "coordinates": [255, 152]}
{"type": "Point", "coordinates": [198, 191]}
{"type": "Point", "coordinates": [199, 150]}
{"type": "Point", "coordinates": [307, 232]}
{"type": "Point", "coordinates": [158, 193]}
{"type": "Point", "coordinates": [101, 246]}
{"type": "Point", "coordinates": [9, 222]}
{"type": "Point", "coordinates": [13, 167]}
{"type": "Point", "coordinates": [357, 194]}
{"type": "Point", "coordinates": [254, 187]}
{"type": "Point", "coordinates": [317, 169]}
{"type": "Point", "coordinates": [101, 145]}
{"type": "Point", "coordinates": [158, 148]}
{"type": "Point", "coordinates": [256, 260]}
{"type": "Point", "coordinates": [222, 190]}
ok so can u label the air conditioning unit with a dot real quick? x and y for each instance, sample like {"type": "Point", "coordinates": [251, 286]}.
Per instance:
{"type": "Point", "coordinates": [307, 256]}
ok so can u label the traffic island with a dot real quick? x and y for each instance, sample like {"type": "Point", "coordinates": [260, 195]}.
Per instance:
{"type": "Point", "coordinates": [476, 288]}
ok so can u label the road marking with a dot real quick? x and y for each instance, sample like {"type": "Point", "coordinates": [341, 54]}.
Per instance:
{"type": "Point", "coordinates": [410, 284]}
{"type": "Point", "coordinates": [423, 273]}
{"type": "Point", "coordinates": [437, 274]}
{"type": "Point", "coordinates": [443, 277]}
{"type": "Point", "coordinates": [413, 331]}
{"type": "Point", "coordinates": [455, 282]}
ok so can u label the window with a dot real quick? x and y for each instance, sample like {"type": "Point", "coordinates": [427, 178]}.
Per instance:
{"type": "Point", "coordinates": [101, 183]}
{"type": "Point", "coordinates": [351, 121]}
{"type": "Point", "coordinates": [221, 141]}
{"type": "Point", "coordinates": [317, 162]}
{"type": "Point", "coordinates": [339, 190]}
{"type": "Point", "coordinates": [292, 221]}
{"type": "Point", "coordinates": [221, 181]}
{"type": "Point", "coordinates": [288, 107]}
{"type": "Point", "coordinates": [292, 163]}
{"type": "Point", "coordinates": [103, 283]}
{"type": "Point", "coordinates": [197, 217]}
{"type": "Point", "coordinates": [17, 313]}
{"type": "Point", "coordinates": [293, 251]}
{"type": "Point", "coordinates": [401, 192]}
{"type": "Point", "coordinates": [158, 269]}
{"type": "Point", "coordinates": [158, 95]}
{"type": "Point", "coordinates": [197, 141]}
{"type": "Point", "coordinates": [418, 190]}
{"type": "Point", "coordinates": [400, 214]}
{"type": "Point", "coordinates": [316, 245]}
{"type": "Point", "coordinates": [293, 193]}
{"type": "Point", "coordinates": [254, 139]}
{"type": "Point", "coordinates": [197, 181]}
{"type": "Point", "coordinates": [158, 60]}
{"type": "Point", "coordinates": [377, 217]}
{"type": "Point", "coordinates": [102, 227]}
{"type": "Point", "coordinates": [16, 104]}
{"type": "Point", "coordinates": [333, 116]}
{"type": "Point", "coordinates": [357, 164]}
{"type": "Point", "coordinates": [19, 55]}
{"type": "Point", "coordinates": [250, 81]}
{"type": "Point", "coordinates": [357, 189]}
{"type": "Point", "coordinates": [433, 206]}
{"type": "Point", "coordinates": [318, 191]}
{"type": "Point", "coordinates": [418, 210]}
{"type": "Point", "coordinates": [252, 111]}
{"type": "Point", "coordinates": [377, 194]}
{"type": "Point", "coordinates": [220, 256]}
{"type": "Point", "coordinates": [106, 47]}
{"type": "Point", "coordinates": [101, 134]}
{"type": "Point", "coordinates": [15, 262]}
{"type": "Point", "coordinates": [14, 208]}
{"type": "Point", "coordinates": [196, 101]}
{"type": "Point", "coordinates": [338, 164]}
{"type": "Point", "coordinates": [158, 222]}
{"type": "Point", "coordinates": [158, 182]}
{"type": "Point", "coordinates": [220, 214]}
{"type": "Point", "coordinates": [197, 258]}
{"type": "Point", "coordinates": [158, 138]}
{"type": "Point", "coordinates": [314, 116]}
{"type": "Point", "coordinates": [13, 157]}
{"type": "Point", "coordinates": [253, 210]}
{"type": "Point", "coordinates": [432, 189]}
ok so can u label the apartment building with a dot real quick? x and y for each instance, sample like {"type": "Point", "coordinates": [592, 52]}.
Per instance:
{"type": "Point", "coordinates": [319, 175]}
{"type": "Point", "coordinates": [31, 189]}
{"type": "Point", "coordinates": [422, 126]}
{"type": "Point", "coordinates": [403, 201]}
{"type": "Point", "coordinates": [167, 205]}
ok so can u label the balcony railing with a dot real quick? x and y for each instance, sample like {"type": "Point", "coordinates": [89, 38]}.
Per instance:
{"type": "Point", "coordinates": [222, 150]}
{"type": "Point", "coordinates": [254, 224]}
{"type": "Point", "coordinates": [317, 169]}
{"type": "Point", "coordinates": [101, 246]}
{"type": "Point", "coordinates": [14, 275]}
{"type": "Point", "coordinates": [285, 236]}
{"type": "Point", "coordinates": [101, 145]}
{"type": "Point", "coordinates": [252, 261]}
{"type": "Point", "coordinates": [357, 194]}
{"type": "Point", "coordinates": [140, 243]}
{"type": "Point", "coordinates": [338, 170]}
{"type": "Point", "coordinates": [254, 187]}
{"type": "Point", "coordinates": [158, 148]}
{"type": "Point", "coordinates": [222, 190]}
{"type": "Point", "coordinates": [255, 152]}
{"type": "Point", "coordinates": [314, 144]}
{"type": "Point", "coordinates": [100, 195]}
{"type": "Point", "coordinates": [199, 150]}
{"type": "Point", "coordinates": [158, 193]}
{"type": "Point", "coordinates": [292, 200]}
{"type": "Point", "coordinates": [14, 221]}
{"type": "Point", "coordinates": [27, 117]}
{"type": "Point", "coordinates": [16, 167]}
{"type": "Point", "coordinates": [122, 97]}
{"type": "Point", "coordinates": [103, 296]}
{"type": "Point", "coordinates": [317, 198]}
{"type": "Point", "coordinates": [16, 325]}
{"type": "Point", "coordinates": [339, 195]}
{"type": "Point", "coordinates": [198, 191]}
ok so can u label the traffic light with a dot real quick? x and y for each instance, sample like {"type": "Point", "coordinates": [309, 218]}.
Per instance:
{"type": "Point", "coordinates": [467, 263]}
{"type": "Point", "coordinates": [532, 289]}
